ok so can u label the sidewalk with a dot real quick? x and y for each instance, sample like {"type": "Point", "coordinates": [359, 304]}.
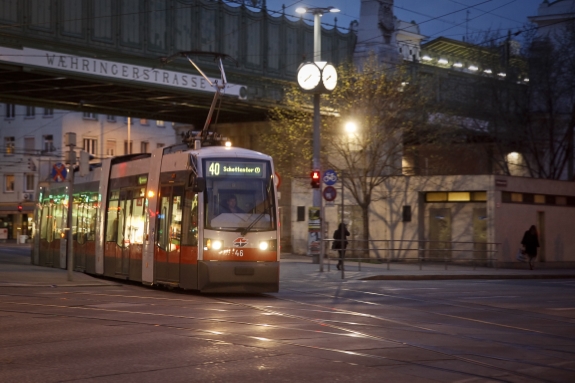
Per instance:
{"type": "Point", "coordinates": [301, 267]}
{"type": "Point", "coordinates": [16, 271]}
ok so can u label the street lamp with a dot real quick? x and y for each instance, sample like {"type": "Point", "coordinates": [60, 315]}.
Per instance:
{"type": "Point", "coordinates": [317, 13]}
{"type": "Point", "coordinates": [327, 76]}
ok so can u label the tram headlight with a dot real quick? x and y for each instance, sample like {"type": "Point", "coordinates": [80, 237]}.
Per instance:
{"type": "Point", "coordinates": [264, 245]}
{"type": "Point", "coordinates": [213, 244]}
{"type": "Point", "coordinates": [216, 245]}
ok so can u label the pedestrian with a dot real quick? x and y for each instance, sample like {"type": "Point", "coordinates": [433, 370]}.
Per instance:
{"type": "Point", "coordinates": [530, 243]}
{"type": "Point", "coordinates": [340, 243]}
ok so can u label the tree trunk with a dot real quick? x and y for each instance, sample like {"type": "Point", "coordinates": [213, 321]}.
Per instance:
{"type": "Point", "coordinates": [365, 240]}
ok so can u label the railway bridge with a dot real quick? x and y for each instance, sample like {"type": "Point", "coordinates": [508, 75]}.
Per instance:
{"type": "Point", "coordinates": [105, 56]}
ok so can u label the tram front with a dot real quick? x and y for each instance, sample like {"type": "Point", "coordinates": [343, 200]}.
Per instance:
{"type": "Point", "coordinates": [240, 230]}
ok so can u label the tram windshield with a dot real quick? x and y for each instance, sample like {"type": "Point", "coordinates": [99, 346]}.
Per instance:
{"type": "Point", "coordinates": [239, 195]}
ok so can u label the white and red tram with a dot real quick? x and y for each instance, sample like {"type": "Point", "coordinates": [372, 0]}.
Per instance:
{"type": "Point", "coordinates": [160, 218]}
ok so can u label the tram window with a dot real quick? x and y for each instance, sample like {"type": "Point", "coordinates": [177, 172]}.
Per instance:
{"type": "Point", "coordinates": [163, 215]}
{"type": "Point", "coordinates": [112, 221]}
{"type": "Point", "coordinates": [135, 216]}
{"type": "Point", "coordinates": [44, 220]}
{"type": "Point", "coordinates": [190, 219]}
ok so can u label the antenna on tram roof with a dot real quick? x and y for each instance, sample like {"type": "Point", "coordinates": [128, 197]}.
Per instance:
{"type": "Point", "coordinates": [218, 85]}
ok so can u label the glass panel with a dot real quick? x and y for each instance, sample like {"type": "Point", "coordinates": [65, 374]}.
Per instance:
{"type": "Point", "coordinates": [163, 215]}
{"type": "Point", "coordinates": [190, 219]}
{"type": "Point", "coordinates": [518, 197]}
{"type": "Point", "coordinates": [136, 218]}
{"type": "Point", "coordinates": [176, 218]}
{"type": "Point", "coordinates": [480, 196]}
{"type": "Point", "coordinates": [112, 218]}
{"type": "Point", "coordinates": [436, 197]}
{"type": "Point", "coordinates": [239, 194]}
{"type": "Point", "coordinates": [539, 198]}
{"type": "Point", "coordinates": [459, 196]}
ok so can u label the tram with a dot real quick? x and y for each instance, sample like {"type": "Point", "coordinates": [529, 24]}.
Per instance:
{"type": "Point", "coordinates": [162, 217]}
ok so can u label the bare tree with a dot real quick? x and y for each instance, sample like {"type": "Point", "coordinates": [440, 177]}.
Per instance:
{"type": "Point", "coordinates": [387, 109]}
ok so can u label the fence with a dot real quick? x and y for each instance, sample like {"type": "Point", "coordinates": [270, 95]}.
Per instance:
{"type": "Point", "coordinates": [475, 253]}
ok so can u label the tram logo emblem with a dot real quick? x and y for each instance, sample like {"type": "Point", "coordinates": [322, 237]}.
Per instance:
{"type": "Point", "coordinates": [240, 242]}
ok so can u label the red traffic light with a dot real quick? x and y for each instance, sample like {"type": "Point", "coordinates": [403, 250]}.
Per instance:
{"type": "Point", "coordinates": [315, 179]}
{"type": "Point", "coordinates": [20, 208]}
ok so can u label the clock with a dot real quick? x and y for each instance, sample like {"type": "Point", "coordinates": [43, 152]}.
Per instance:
{"type": "Point", "coordinates": [308, 76]}
{"type": "Point", "coordinates": [329, 77]}
{"type": "Point", "coordinates": [317, 77]}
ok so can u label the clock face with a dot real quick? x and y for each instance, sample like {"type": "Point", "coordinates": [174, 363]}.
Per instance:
{"type": "Point", "coordinates": [308, 76]}
{"type": "Point", "coordinates": [329, 77]}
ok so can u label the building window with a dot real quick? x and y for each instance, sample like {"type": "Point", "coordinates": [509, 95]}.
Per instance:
{"type": "Point", "coordinates": [477, 196]}
{"type": "Point", "coordinates": [30, 112]}
{"type": "Point", "coordinates": [143, 121]}
{"type": "Point", "coordinates": [144, 147]}
{"type": "Point", "coordinates": [48, 112]}
{"type": "Point", "coordinates": [160, 145]}
{"type": "Point", "coordinates": [10, 111]}
{"type": "Point", "coordinates": [89, 116]}
{"type": "Point", "coordinates": [9, 183]}
{"type": "Point", "coordinates": [406, 213]}
{"type": "Point", "coordinates": [29, 182]}
{"type": "Point", "coordinates": [9, 146]}
{"type": "Point", "coordinates": [49, 144]}
{"type": "Point", "coordinates": [126, 149]}
{"type": "Point", "coordinates": [29, 145]}
{"type": "Point", "coordinates": [90, 145]}
{"type": "Point", "coordinates": [111, 118]}
{"type": "Point", "coordinates": [111, 148]}
{"type": "Point", "coordinates": [160, 123]}
{"type": "Point", "coordinates": [300, 213]}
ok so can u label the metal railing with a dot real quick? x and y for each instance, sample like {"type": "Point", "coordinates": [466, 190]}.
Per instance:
{"type": "Point", "coordinates": [388, 251]}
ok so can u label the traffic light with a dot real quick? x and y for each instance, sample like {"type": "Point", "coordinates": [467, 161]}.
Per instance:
{"type": "Point", "coordinates": [315, 179]}
{"type": "Point", "coordinates": [20, 208]}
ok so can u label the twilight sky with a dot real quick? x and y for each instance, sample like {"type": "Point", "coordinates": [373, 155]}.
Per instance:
{"type": "Point", "coordinates": [435, 17]}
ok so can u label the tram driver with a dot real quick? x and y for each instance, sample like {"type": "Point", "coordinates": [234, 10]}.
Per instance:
{"type": "Point", "coordinates": [231, 205]}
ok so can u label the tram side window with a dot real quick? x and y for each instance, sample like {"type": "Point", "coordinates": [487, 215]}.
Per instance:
{"type": "Point", "coordinates": [44, 222]}
{"type": "Point", "coordinates": [135, 221]}
{"type": "Point", "coordinates": [176, 218]}
{"type": "Point", "coordinates": [91, 218]}
{"type": "Point", "coordinates": [77, 220]}
{"type": "Point", "coordinates": [112, 217]}
{"type": "Point", "coordinates": [190, 219]}
{"type": "Point", "coordinates": [123, 211]}
{"type": "Point", "coordinates": [163, 217]}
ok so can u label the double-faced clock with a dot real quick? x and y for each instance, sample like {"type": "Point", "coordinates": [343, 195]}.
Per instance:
{"type": "Point", "coordinates": [317, 77]}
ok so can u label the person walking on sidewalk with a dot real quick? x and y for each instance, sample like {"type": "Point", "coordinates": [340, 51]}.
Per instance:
{"type": "Point", "coordinates": [340, 243]}
{"type": "Point", "coordinates": [530, 242]}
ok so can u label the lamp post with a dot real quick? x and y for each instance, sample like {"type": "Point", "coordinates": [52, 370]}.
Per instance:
{"type": "Point", "coordinates": [326, 82]}
{"type": "Point", "coordinates": [317, 13]}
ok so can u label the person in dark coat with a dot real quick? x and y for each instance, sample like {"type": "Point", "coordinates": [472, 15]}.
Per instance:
{"type": "Point", "coordinates": [340, 243]}
{"type": "Point", "coordinates": [530, 242]}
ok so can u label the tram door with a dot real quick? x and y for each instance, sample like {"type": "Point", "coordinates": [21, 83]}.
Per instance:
{"type": "Point", "coordinates": [169, 232]}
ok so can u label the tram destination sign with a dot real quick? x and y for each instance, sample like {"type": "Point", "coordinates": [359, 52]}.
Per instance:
{"type": "Point", "coordinates": [235, 169]}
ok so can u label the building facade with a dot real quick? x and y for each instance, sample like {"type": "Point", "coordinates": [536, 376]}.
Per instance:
{"type": "Point", "coordinates": [33, 142]}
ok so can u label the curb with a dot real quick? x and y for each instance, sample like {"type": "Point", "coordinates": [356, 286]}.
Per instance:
{"type": "Point", "coordinates": [455, 277]}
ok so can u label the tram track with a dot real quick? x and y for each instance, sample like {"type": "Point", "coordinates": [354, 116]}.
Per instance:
{"type": "Point", "coordinates": [341, 326]}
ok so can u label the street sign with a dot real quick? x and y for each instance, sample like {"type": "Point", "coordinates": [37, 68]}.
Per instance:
{"type": "Point", "coordinates": [59, 172]}
{"type": "Point", "coordinates": [330, 177]}
{"type": "Point", "coordinates": [277, 180]}
{"type": "Point", "coordinates": [329, 193]}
